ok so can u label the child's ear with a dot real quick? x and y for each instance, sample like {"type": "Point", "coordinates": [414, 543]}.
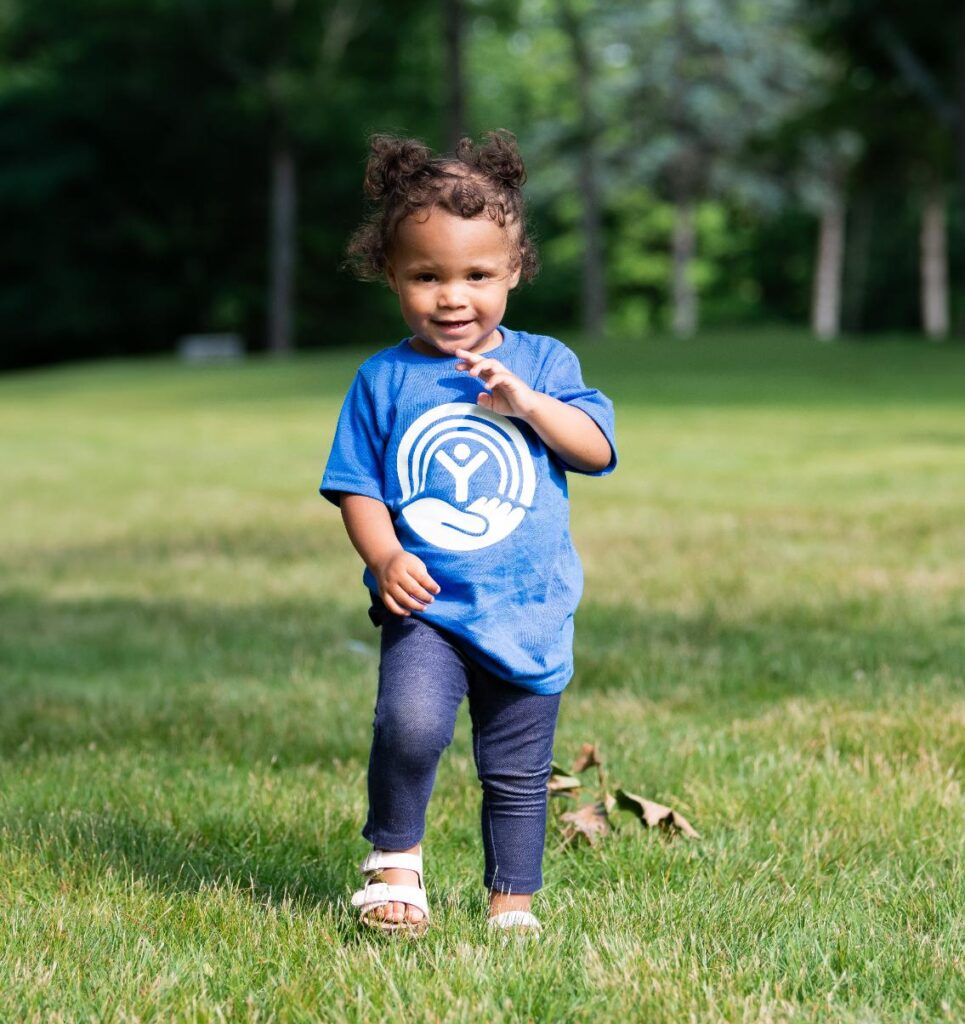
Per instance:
{"type": "Point", "coordinates": [391, 279]}
{"type": "Point", "coordinates": [514, 276]}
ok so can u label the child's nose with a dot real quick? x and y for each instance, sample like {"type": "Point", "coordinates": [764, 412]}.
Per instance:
{"type": "Point", "coordinates": [451, 296]}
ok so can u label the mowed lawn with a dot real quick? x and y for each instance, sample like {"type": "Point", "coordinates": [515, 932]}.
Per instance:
{"type": "Point", "coordinates": [772, 641]}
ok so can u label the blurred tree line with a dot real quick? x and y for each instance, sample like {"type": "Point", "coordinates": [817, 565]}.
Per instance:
{"type": "Point", "coordinates": [178, 166]}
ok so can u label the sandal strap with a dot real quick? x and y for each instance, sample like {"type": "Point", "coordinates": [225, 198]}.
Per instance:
{"type": "Point", "coordinates": [377, 894]}
{"type": "Point", "coordinates": [515, 919]}
{"type": "Point", "coordinates": [378, 859]}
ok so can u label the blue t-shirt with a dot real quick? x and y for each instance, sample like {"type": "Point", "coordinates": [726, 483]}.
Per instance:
{"type": "Point", "coordinates": [477, 496]}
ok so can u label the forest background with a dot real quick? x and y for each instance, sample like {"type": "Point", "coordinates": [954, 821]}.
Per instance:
{"type": "Point", "coordinates": [170, 167]}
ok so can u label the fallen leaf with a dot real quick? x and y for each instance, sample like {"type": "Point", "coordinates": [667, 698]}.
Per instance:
{"type": "Point", "coordinates": [561, 781]}
{"type": "Point", "coordinates": [653, 814]}
{"type": "Point", "coordinates": [588, 756]}
{"type": "Point", "coordinates": [589, 821]}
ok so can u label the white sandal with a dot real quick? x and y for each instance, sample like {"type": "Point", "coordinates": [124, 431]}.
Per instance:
{"type": "Point", "coordinates": [378, 893]}
{"type": "Point", "coordinates": [517, 921]}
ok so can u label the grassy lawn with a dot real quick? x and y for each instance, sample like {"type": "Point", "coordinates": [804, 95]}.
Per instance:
{"type": "Point", "coordinates": [772, 640]}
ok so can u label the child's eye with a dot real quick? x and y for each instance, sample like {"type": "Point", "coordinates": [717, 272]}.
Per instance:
{"type": "Point", "coordinates": [425, 277]}
{"type": "Point", "coordinates": [478, 275]}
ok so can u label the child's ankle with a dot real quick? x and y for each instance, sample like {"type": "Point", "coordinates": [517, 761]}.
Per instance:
{"type": "Point", "coordinates": [412, 849]}
{"type": "Point", "coordinates": [499, 902]}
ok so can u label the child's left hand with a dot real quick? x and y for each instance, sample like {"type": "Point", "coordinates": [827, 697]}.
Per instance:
{"type": "Point", "coordinates": [505, 393]}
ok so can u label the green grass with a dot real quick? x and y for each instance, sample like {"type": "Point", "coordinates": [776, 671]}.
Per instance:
{"type": "Point", "coordinates": [772, 640]}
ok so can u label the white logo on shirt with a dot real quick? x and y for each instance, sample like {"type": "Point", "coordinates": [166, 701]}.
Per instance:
{"type": "Point", "coordinates": [462, 438]}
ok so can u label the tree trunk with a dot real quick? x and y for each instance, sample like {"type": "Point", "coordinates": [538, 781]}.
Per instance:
{"type": "Point", "coordinates": [684, 250]}
{"type": "Point", "coordinates": [857, 256]}
{"type": "Point", "coordinates": [281, 255]}
{"type": "Point", "coordinates": [593, 277]}
{"type": "Point", "coordinates": [826, 304]}
{"type": "Point", "coordinates": [960, 98]}
{"type": "Point", "coordinates": [281, 198]}
{"type": "Point", "coordinates": [687, 173]}
{"type": "Point", "coordinates": [456, 98]}
{"type": "Point", "coordinates": [934, 266]}
{"type": "Point", "coordinates": [593, 298]}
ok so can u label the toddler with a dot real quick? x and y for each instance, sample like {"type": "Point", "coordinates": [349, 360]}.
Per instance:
{"type": "Point", "coordinates": [449, 466]}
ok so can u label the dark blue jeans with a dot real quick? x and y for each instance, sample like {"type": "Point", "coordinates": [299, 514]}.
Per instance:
{"type": "Point", "coordinates": [423, 677]}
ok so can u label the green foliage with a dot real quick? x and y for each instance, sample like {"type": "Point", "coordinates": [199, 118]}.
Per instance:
{"type": "Point", "coordinates": [706, 80]}
{"type": "Point", "coordinates": [135, 138]}
{"type": "Point", "coordinates": [640, 263]}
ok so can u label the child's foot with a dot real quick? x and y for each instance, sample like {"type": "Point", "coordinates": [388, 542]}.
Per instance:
{"type": "Point", "coordinates": [399, 911]}
{"type": "Point", "coordinates": [516, 908]}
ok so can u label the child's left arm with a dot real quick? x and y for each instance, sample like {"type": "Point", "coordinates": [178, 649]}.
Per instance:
{"type": "Point", "coordinates": [569, 431]}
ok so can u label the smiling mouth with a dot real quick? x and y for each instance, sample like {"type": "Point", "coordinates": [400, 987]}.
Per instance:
{"type": "Point", "coordinates": [452, 323]}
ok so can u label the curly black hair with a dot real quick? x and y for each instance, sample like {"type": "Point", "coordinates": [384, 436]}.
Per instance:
{"type": "Point", "coordinates": [404, 176]}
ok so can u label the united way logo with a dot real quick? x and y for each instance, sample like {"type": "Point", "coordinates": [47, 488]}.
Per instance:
{"type": "Point", "coordinates": [480, 461]}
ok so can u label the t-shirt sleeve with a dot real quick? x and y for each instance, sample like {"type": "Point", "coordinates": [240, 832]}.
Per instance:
{"type": "Point", "coordinates": [564, 381]}
{"type": "Point", "coordinates": [355, 465]}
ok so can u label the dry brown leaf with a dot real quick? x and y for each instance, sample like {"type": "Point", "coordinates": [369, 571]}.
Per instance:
{"type": "Point", "coordinates": [560, 781]}
{"type": "Point", "coordinates": [653, 814]}
{"type": "Point", "coordinates": [588, 756]}
{"type": "Point", "coordinates": [589, 821]}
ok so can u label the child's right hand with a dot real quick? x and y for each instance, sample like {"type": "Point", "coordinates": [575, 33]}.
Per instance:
{"type": "Point", "coordinates": [404, 583]}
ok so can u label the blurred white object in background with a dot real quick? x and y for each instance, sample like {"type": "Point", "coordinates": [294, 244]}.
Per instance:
{"type": "Point", "coordinates": [211, 348]}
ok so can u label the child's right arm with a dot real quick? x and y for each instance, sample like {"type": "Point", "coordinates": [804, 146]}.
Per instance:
{"type": "Point", "coordinates": [404, 582]}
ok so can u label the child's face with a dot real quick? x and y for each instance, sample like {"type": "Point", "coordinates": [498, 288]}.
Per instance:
{"type": "Point", "coordinates": [452, 276]}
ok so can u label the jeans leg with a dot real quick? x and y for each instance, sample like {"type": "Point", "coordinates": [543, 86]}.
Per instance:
{"type": "Point", "coordinates": [422, 681]}
{"type": "Point", "coordinates": [513, 732]}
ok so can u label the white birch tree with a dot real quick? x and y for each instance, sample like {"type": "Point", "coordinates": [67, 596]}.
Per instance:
{"type": "Point", "coordinates": [822, 185]}
{"type": "Point", "coordinates": [934, 265]}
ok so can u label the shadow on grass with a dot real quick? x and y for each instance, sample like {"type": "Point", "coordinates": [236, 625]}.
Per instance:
{"type": "Point", "coordinates": [286, 681]}
{"type": "Point", "coordinates": [188, 548]}
{"type": "Point", "coordinates": [294, 682]}
{"type": "Point", "coordinates": [226, 853]}
{"type": "Point", "coordinates": [709, 661]}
